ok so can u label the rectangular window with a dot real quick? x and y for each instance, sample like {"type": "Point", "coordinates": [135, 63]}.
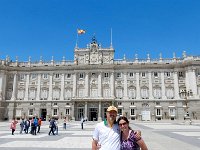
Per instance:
{"type": "Point", "coordinates": [155, 74]}
{"type": "Point", "coordinates": [68, 75]}
{"type": "Point", "coordinates": [172, 112]}
{"type": "Point", "coordinates": [132, 112]}
{"type": "Point", "coordinates": [158, 112]}
{"type": "Point", "coordinates": [30, 112]}
{"type": "Point", "coordinates": [80, 93]}
{"type": "Point", "coordinates": [120, 111]}
{"type": "Point", "coordinates": [45, 76]}
{"type": "Point", "coordinates": [119, 103]}
{"type": "Point", "coordinates": [180, 74]}
{"type": "Point", "coordinates": [131, 74]}
{"type": "Point", "coordinates": [57, 76]}
{"type": "Point", "coordinates": [81, 75]}
{"type": "Point", "coordinates": [143, 74]}
{"type": "Point", "coordinates": [55, 112]}
{"type": "Point", "coordinates": [119, 75]}
{"type": "Point", "coordinates": [67, 112]}
{"type": "Point", "coordinates": [106, 75]}
{"type": "Point", "coordinates": [33, 76]}
{"type": "Point", "coordinates": [167, 74]}
{"type": "Point", "coordinates": [22, 76]}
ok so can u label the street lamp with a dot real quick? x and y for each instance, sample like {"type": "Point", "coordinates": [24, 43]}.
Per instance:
{"type": "Point", "coordinates": [186, 94]}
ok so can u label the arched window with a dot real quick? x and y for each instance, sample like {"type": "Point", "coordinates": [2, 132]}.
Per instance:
{"type": "Point", "coordinates": [145, 92]}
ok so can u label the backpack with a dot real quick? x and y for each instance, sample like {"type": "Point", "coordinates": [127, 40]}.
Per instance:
{"type": "Point", "coordinates": [27, 123]}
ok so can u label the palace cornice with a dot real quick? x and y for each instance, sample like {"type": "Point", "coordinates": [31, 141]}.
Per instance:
{"type": "Point", "coordinates": [114, 66]}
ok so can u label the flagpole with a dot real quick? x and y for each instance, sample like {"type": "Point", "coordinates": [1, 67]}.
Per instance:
{"type": "Point", "coordinates": [111, 38]}
{"type": "Point", "coordinates": [76, 39]}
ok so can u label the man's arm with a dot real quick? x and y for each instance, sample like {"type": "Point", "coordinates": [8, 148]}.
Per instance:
{"type": "Point", "coordinates": [137, 134]}
{"type": "Point", "coordinates": [94, 145]}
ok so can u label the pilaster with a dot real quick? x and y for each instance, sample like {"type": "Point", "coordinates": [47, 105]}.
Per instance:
{"type": "Point", "coordinates": [50, 86]}
{"type": "Point", "coordinates": [125, 86]}
{"type": "Point", "coordinates": [38, 87]}
{"type": "Point", "coordinates": [62, 87]}
{"type": "Point", "coordinates": [138, 85]}
{"type": "Point", "coordinates": [74, 85]}
{"type": "Point", "coordinates": [163, 85]}
{"type": "Point", "coordinates": [150, 85]}
{"type": "Point", "coordinates": [99, 85]}
{"type": "Point", "coordinates": [14, 87]}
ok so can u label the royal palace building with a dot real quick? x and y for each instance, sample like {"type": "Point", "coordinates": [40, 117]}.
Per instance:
{"type": "Point", "coordinates": [141, 89]}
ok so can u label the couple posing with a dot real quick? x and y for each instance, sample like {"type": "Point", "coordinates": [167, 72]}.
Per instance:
{"type": "Point", "coordinates": [112, 135]}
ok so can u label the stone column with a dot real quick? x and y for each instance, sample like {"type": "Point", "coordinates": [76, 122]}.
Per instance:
{"type": "Point", "coordinates": [138, 85]}
{"type": "Point", "coordinates": [85, 110]}
{"type": "Point", "coordinates": [50, 86]}
{"type": "Point", "coordinates": [72, 112]}
{"type": "Point", "coordinates": [99, 114]}
{"type": "Point", "coordinates": [38, 87]}
{"type": "Point", "coordinates": [4, 86]}
{"type": "Point", "coordinates": [176, 87]}
{"type": "Point", "coordinates": [14, 87]}
{"type": "Point", "coordinates": [191, 81]}
{"type": "Point", "coordinates": [150, 86]}
{"type": "Point", "coordinates": [99, 85]}
{"type": "Point", "coordinates": [163, 85]}
{"type": "Point", "coordinates": [125, 86]}
{"type": "Point", "coordinates": [1, 86]}
{"type": "Point", "coordinates": [27, 87]}
{"type": "Point", "coordinates": [112, 85]}
{"type": "Point", "coordinates": [62, 87]}
{"type": "Point", "coordinates": [86, 84]}
{"type": "Point", "coordinates": [74, 85]}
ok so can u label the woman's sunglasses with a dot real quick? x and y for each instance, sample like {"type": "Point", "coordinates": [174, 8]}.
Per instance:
{"type": "Point", "coordinates": [120, 124]}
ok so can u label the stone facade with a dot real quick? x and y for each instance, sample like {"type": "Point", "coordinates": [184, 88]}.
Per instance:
{"type": "Point", "coordinates": [141, 89]}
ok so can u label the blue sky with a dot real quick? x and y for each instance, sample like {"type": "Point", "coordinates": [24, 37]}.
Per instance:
{"type": "Point", "coordinates": [48, 27]}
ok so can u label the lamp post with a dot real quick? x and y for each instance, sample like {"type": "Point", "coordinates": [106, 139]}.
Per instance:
{"type": "Point", "coordinates": [185, 95]}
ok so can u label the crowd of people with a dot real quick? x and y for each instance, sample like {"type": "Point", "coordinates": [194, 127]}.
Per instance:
{"type": "Point", "coordinates": [110, 134]}
{"type": "Point", "coordinates": [34, 124]}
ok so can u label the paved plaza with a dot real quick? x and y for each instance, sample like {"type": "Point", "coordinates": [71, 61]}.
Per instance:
{"type": "Point", "coordinates": [161, 135]}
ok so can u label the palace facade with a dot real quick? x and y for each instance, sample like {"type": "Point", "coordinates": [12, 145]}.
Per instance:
{"type": "Point", "coordinates": [141, 89]}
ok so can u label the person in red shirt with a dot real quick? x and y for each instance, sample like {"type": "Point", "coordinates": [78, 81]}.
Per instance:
{"type": "Point", "coordinates": [39, 124]}
{"type": "Point", "coordinates": [13, 125]}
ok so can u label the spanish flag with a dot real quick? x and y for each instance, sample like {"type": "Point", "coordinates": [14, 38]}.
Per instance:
{"type": "Point", "coordinates": [81, 31]}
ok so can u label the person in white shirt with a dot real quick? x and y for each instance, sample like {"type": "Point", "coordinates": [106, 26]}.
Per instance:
{"type": "Point", "coordinates": [106, 133]}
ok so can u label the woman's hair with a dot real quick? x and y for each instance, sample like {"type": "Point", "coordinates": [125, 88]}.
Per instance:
{"type": "Point", "coordinates": [125, 119]}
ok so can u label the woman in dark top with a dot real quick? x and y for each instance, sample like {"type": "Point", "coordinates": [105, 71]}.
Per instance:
{"type": "Point", "coordinates": [128, 139]}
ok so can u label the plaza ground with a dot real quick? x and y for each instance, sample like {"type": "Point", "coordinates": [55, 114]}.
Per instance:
{"type": "Point", "coordinates": [159, 135]}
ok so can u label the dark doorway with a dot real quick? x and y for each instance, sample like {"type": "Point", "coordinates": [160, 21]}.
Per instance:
{"type": "Point", "coordinates": [93, 114]}
{"type": "Point", "coordinates": [43, 114]}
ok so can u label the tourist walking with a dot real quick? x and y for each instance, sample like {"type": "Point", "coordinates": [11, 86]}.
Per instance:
{"type": "Point", "coordinates": [52, 126]}
{"type": "Point", "coordinates": [39, 124]}
{"type": "Point", "coordinates": [82, 121]}
{"type": "Point", "coordinates": [27, 125]}
{"type": "Point", "coordinates": [65, 123]}
{"type": "Point", "coordinates": [13, 125]}
{"type": "Point", "coordinates": [56, 126]}
{"type": "Point", "coordinates": [22, 125]}
{"type": "Point", "coordinates": [35, 124]}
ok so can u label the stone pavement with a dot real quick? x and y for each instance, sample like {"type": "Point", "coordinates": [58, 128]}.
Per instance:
{"type": "Point", "coordinates": [160, 135]}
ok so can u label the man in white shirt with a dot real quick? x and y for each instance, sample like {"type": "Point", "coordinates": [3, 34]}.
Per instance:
{"type": "Point", "coordinates": [107, 133]}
